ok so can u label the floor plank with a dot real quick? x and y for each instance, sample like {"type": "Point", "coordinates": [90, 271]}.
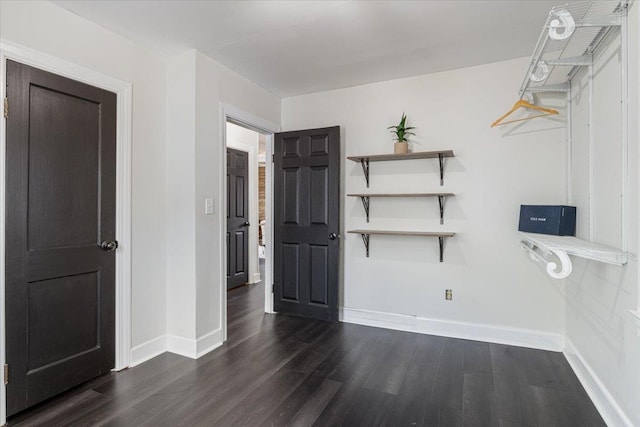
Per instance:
{"type": "Point", "coordinates": [283, 370]}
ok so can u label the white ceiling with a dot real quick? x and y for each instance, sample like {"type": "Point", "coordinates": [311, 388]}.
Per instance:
{"type": "Point", "coordinates": [296, 47]}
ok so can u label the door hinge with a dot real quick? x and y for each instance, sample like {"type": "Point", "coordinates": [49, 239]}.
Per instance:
{"type": "Point", "coordinates": [273, 288]}
{"type": "Point", "coordinates": [273, 158]}
{"type": "Point", "coordinates": [6, 373]}
{"type": "Point", "coordinates": [6, 107]}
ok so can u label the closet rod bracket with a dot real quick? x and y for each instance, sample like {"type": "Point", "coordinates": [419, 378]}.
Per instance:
{"type": "Point", "coordinates": [566, 267]}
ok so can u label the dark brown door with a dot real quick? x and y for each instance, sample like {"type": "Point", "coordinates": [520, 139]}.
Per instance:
{"type": "Point", "coordinates": [237, 218]}
{"type": "Point", "coordinates": [60, 292]}
{"type": "Point", "coordinates": [306, 225]}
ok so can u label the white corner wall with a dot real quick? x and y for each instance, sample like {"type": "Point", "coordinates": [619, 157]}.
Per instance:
{"type": "Point", "coordinates": [603, 344]}
{"type": "Point", "coordinates": [49, 29]}
{"type": "Point", "coordinates": [498, 294]}
{"type": "Point", "coordinates": [181, 184]}
{"type": "Point", "coordinates": [217, 85]}
{"type": "Point", "coordinates": [197, 89]}
{"type": "Point", "coordinates": [176, 269]}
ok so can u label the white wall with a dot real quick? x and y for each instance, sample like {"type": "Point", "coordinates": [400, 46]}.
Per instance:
{"type": "Point", "coordinates": [181, 184]}
{"type": "Point", "coordinates": [494, 171]}
{"type": "Point", "coordinates": [176, 166]}
{"type": "Point", "coordinates": [199, 152]}
{"type": "Point", "coordinates": [599, 328]}
{"type": "Point", "coordinates": [216, 85]}
{"type": "Point", "coordinates": [176, 149]}
{"type": "Point", "coordinates": [246, 140]}
{"type": "Point", "coordinates": [47, 28]}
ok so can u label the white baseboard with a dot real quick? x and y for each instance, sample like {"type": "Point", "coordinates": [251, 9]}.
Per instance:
{"type": "Point", "coordinates": [256, 278]}
{"type": "Point", "coordinates": [609, 409]}
{"type": "Point", "coordinates": [194, 348]}
{"type": "Point", "coordinates": [148, 350]}
{"type": "Point", "coordinates": [453, 329]}
{"type": "Point", "coordinates": [182, 346]}
{"type": "Point", "coordinates": [208, 343]}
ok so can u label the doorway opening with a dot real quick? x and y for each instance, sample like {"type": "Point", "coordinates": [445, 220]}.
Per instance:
{"type": "Point", "coordinates": [246, 221]}
{"type": "Point", "coordinates": [251, 138]}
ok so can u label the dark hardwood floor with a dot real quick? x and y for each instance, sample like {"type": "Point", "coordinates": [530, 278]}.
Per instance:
{"type": "Point", "coordinates": [281, 370]}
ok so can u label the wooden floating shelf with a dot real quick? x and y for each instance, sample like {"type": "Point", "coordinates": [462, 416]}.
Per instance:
{"type": "Point", "coordinates": [406, 233]}
{"type": "Point", "coordinates": [402, 195]}
{"type": "Point", "coordinates": [441, 199]}
{"type": "Point", "coordinates": [441, 235]}
{"type": "Point", "coordinates": [440, 155]}
{"type": "Point", "coordinates": [407, 156]}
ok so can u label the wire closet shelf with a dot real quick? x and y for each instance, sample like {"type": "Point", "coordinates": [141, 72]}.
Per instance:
{"type": "Point", "coordinates": [569, 36]}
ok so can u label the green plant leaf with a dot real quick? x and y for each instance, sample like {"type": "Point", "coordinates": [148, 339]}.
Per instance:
{"type": "Point", "coordinates": [401, 131]}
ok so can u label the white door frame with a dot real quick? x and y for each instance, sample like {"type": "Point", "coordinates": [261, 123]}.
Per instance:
{"type": "Point", "coordinates": [123, 191]}
{"type": "Point", "coordinates": [250, 121]}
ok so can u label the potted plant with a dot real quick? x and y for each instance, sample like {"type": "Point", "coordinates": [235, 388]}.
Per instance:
{"type": "Point", "coordinates": [401, 130]}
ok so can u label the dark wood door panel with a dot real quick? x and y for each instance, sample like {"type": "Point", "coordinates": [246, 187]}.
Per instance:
{"type": "Point", "coordinates": [49, 324]}
{"type": "Point", "coordinates": [66, 373]}
{"type": "Point", "coordinates": [60, 163]}
{"type": "Point", "coordinates": [319, 187]}
{"type": "Point", "coordinates": [319, 274]}
{"type": "Point", "coordinates": [237, 218]}
{"type": "Point", "coordinates": [306, 216]}
{"type": "Point", "coordinates": [291, 187]}
{"type": "Point", "coordinates": [240, 207]}
{"type": "Point", "coordinates": [47, 263]}
{"type": "Point", "coordinates": [241, 252]}
{"type": "Point", "coordinates": [60, 294]}
{"type": "Point", "coordinates": [290, 265]}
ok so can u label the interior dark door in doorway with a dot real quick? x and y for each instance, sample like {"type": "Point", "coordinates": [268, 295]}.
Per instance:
{"type": "Point", "coordinates": [237, 218]}
{"type": "Point", "coordinates": [60, 234]}
{"type": "Point", "coordinates": [307, 222]}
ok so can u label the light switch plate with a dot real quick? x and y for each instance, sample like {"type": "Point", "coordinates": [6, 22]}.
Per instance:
{"type": "Point", "coordinates": [208, 206]}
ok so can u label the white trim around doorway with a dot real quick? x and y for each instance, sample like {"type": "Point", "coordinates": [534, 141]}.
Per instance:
{"type": "Point", "coordinates": [250, 121]}
{"type": "Point", "coordinates": [122, 89]}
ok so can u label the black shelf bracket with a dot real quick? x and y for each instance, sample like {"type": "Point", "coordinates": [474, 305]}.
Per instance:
{"type": "Point", "coordinates": [365, 204]}
{"type": "Point", "coordinates": [365, 240]}
{"type": "Point", "coordinates": [441, 241]}
{"type": "Point", "coordinates": [365, 168]}
{"type": "Point", "coordinates": [441, 161]}
{"type": "Point", "coordinates": [441, 200]}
